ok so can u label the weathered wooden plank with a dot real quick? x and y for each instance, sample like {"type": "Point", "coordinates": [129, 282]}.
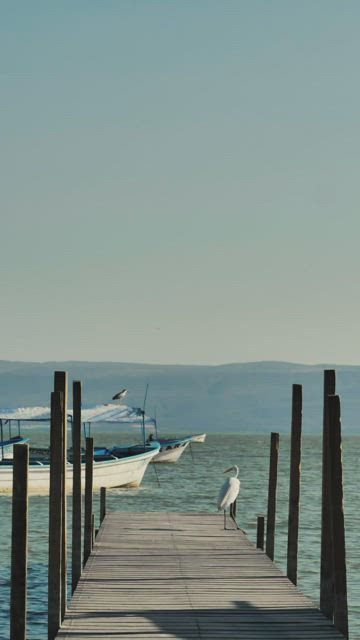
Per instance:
{"type": "Point", "coordinates": [170, 575]}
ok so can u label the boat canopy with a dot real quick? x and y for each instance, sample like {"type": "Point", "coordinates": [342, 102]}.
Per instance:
{"type": "Point", "coordinates": [28, 414]}
{"type": "Point", "coordinates": [114, 413]}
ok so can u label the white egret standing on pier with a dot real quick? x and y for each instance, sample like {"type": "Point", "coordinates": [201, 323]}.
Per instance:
{"type": "Point", "coordinates": [228, 494]}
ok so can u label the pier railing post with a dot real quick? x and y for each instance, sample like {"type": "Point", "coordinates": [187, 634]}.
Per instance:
{"type": "Point", "coordinates": [76, 564]}
{"type": "Point", "coordinates": [326, 566]}
{"type": "Point", "coordinates": [60, 384]}
{"type": "Point", "coordinates": [294, 488]}
{"type": "Point", "coordinates": [102, 504]}
{"type": "Point", "coordinates": [55, 515]}
{"type": "Point", "coordinates": [19, 543]}
{"type": "Point", "coordinates": [93, 533]}
{"type": "Point", "coordinates": [88, 521]}
{"type": "Point", "coordinates": [337, 517]}
{"type": "Point", "coordinates": [271, 511]}
{"type": "Point", "coordinates": [260, 532]}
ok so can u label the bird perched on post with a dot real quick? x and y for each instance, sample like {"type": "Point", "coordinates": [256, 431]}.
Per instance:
{"type": "Point", "coordinates": [119, 396]}
{"type": "Point", "coordinates": [228, 494]}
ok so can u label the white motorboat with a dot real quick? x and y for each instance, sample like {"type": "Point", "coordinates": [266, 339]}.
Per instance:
{"type": "Point", "coordinates": [123, 467]}
{"type": "Point", "coordinates": [170, 448]}
{"type": "Point", "coordinates": [198, 437]}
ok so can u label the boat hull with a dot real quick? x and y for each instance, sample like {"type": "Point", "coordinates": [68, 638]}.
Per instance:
{"type": "Point", "coordinates": [171, 451]}
{"type": "Point", "coordinates": [118, 472]}
{"type": "Point", "coordinates": [199, 437]}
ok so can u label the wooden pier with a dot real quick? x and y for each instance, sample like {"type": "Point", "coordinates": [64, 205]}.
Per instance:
{"type": "Point", "coordinates": [180, 575]}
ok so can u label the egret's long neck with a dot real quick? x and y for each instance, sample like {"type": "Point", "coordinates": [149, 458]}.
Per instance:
{"type": "Point", "coordinates": [236, 470]}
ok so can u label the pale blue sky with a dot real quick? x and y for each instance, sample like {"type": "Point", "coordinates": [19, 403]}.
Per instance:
{"type": "Point", "coordinates": [180, 180]}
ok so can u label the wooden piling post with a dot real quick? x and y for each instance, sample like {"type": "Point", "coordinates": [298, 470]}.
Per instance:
{"type": "Point", "coordinates": [55, 515]}
{"type": "Point", "coordinates": [326, 564]}
{"type": "Point", "coordinates": [19, 543]}
{"type": "Point", "coordinates": [60, 384]}
{"type": "Point", "coordinates": [294, 488]}
{"type": "Point", "coordinates": [260, 532]}
{"type": "Point", "coordinates": [92, 530]}
{"type": "Point", "coordinates": [271, 511]}
{"type": "Point", "coordinates": [76, 564]}
{"type": "Point", "coordinates": [88, 498]}
{"type": "Point", "coordinates": [337, 517]}
{"type": "Point", "coordinates": [102, 504]}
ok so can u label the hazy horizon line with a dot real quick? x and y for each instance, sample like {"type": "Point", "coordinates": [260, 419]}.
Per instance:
{"type": "Point", "coordinates": [182, 364]}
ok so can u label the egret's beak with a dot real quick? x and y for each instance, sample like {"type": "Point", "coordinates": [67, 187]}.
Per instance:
{"type": "Point", "coordinates": [230, 469]}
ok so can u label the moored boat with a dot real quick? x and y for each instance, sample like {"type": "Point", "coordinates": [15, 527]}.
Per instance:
{"type": "Point", "coordinates": [200, 437]}
{"type": "Point", "coordinates": [170, 448]}
{"type": "Point", "coordinates": [7, 443]}
{"type": "Point", "coordinates": [117, 467]}
{"type": "Point", "coordinates": [7, 446]}
{"type": "Point", "coordinates": [120, 466]}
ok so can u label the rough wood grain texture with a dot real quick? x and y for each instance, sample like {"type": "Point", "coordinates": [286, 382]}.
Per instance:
{"type": "Point", "coordinates": [61, 385]}
{"type": "Point", "coordinates": [76, 563]}
{"type": "Point", "coordinates": [55, 515]}
{"type": "Point", "coordinates": [271, 510]}
{"type": "Point", "coordinates": [260, 532]}
{"type": "Point", "coordinates": [170, 575]}
{"type": "Point", "coordinates": [294, 485]}
{"type": "Point", "coordinates": [102, 503]}
{"type": "Point", "coordinates": [19, 543]}
{"type": "Point", "coordinates": [88, 519]}
{"type": "Point", "coordinates": [326, 566]}
{"type": "Point", "coordinates": [337, 516]}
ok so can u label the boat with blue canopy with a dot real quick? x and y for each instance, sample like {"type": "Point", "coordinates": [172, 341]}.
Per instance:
{"type": "Point", "coordinates": [117, 466]}
{"type": "Point", "coordinates": [8, 441]}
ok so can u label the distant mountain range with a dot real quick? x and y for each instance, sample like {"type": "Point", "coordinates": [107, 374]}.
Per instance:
{"type": "Point", "coordinates": [248, 397]}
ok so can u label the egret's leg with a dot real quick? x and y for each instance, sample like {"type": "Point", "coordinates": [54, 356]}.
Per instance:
{"type": "Point", "coordinates": [233, 514]}
{"type": "Point", "coordinates": [234, 508]}
{"type": "Point", "coordinates": [224, 518]}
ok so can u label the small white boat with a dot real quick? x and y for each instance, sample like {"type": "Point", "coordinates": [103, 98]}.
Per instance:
{"type": "Point", "coordinates": [198, 438]}
{"type": "Point", "coordinates": [124, 467]}
{"type": "Point", "coordinates": [171, 449]}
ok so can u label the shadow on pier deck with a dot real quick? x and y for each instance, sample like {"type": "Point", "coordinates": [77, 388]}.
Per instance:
{"type": "Point", "coordinates": [173, 575]}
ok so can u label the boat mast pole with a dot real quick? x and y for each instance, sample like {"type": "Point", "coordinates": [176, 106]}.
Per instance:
{"type": "Point", "coordinates": [143, 430]}
{"type": "Point", "coordinates": [155, 425]}
{"type": "Point", "coordinates": [2, 439]}
{"type": "Point", "coordinates": [143, 418]}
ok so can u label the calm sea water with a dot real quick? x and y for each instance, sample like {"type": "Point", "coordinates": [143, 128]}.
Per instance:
{"type": "Point", "coordinates": [192, 485]}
